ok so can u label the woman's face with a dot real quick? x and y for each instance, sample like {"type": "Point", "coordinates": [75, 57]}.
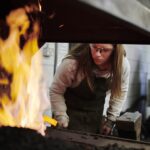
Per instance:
{"type": "Point", "coordinates": [101, 53]}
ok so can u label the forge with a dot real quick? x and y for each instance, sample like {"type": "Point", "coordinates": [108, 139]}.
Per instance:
{"type": "Point", "coordinates": [13, 138]}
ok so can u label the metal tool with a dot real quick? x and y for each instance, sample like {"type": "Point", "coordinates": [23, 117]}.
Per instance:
{"type": "Point", "coordinates": [129, 125]}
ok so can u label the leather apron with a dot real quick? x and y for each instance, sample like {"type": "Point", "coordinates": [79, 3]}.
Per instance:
{"type": "Point", "coordinates": [85, 107]}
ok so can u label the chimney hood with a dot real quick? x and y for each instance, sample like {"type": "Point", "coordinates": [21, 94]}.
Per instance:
{"type": "Point", "coordinates": [115, 21]}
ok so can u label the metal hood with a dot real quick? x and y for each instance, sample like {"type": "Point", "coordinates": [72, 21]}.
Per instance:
{"type": "Point", "coordinates": [116, 21]}
{"type": "Point", "coordinates": [122, 21]}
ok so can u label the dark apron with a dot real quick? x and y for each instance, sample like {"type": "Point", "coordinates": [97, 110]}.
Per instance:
{"type": "Point", "coordinates": [84, 107]}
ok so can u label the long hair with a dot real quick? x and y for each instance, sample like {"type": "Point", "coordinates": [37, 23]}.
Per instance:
{"type": "Point", "coordinates": [82, 53]}
{"type": "Point", "coordinates": [117, 60]}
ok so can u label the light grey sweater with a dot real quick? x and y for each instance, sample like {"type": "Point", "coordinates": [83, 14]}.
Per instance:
{"type": "Point", "coordinates": [65, 77]}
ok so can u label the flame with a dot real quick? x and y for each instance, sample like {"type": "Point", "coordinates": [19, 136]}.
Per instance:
{"type": "Point", "coordinates": [24, 107]}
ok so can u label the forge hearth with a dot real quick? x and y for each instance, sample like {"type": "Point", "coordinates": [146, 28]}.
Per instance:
{"type": "Point", "coordinates": [13, 138]}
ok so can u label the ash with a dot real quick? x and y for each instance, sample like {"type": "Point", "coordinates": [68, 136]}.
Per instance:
{"type": "Point", "coordinates": [13, 138]}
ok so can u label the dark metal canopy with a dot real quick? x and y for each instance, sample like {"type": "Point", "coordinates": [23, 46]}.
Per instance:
{"type": "Point", "coordinates": [123, 21]}
{"type": "Point", "coordinates": [116, 21]}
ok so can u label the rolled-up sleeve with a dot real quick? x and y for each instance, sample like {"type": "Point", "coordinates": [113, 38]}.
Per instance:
{"type": "Point", "coordinates": [116, 104]}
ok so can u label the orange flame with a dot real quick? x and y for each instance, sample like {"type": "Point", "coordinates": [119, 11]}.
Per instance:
{"type": "Point", "coordinates": [24, 108]}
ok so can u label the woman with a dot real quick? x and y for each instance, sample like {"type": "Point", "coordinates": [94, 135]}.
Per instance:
{"type": "Point", "coordinates": [80, 84]}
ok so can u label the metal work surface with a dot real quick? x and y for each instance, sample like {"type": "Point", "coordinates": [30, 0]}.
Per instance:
{"type": "Point", "coordinates": [95, 139]}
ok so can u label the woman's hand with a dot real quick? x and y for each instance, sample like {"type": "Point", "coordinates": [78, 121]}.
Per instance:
{"type": "Point", "coordinates": [107, 127]}
{"type": "Point", "coordinates": [105, 130]}
{"type": "Point", "coordinates": [62, 121]}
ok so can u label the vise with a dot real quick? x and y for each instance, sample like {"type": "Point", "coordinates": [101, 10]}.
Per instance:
{"type": "Point", "coordinates": [129, 125]}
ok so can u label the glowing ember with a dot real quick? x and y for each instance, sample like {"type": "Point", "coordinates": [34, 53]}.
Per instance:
{"type": "Point", "coordinates": [24, 107]}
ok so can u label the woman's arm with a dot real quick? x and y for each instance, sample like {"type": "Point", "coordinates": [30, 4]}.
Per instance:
{"type": "Point", "coordinates": [116, 104]}
{"type": "Point", "coordinates": [63, 79]}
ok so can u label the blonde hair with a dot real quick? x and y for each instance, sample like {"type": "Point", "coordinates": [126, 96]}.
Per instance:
{"type": "Point", "coordinates": [117, 60]}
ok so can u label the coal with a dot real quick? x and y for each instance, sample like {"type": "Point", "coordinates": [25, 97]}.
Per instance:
{"type": "Point", "coordinates": [116, 147]}
{"type": "Point", "coordinates": [13, 138]}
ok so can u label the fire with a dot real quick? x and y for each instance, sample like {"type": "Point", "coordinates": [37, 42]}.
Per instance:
{"type": "Point", "coordinates": [24, 107]}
